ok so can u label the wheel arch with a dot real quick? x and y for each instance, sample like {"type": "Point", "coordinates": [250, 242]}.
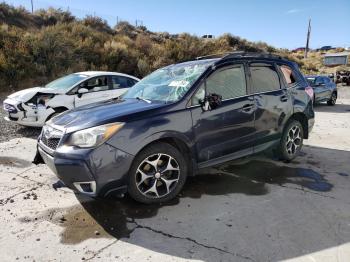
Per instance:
{"type": "Point", "coordinates": [302, 119]}
{"type": "Point", "coordinates": [58, 109]}
{"type": "Point", "coordinates": [179, 142]}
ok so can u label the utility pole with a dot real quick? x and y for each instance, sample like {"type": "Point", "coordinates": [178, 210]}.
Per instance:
{"type": "Point", "coordinates": [32, 6]}
{"type": "Point", "coordinates": [308, 39]}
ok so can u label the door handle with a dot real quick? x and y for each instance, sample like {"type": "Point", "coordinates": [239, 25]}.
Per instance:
{"type": "Point", "coordinates": [284, 98]}
{"type": "Point", "coordinates": [247, 107]}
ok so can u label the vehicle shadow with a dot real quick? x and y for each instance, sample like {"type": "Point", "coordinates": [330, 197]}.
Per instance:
{"type": "Point", "coordinates": [337, 108]}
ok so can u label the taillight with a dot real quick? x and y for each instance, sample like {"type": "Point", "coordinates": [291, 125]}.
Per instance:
{"type": "Point", "coordinates": [310, 92]}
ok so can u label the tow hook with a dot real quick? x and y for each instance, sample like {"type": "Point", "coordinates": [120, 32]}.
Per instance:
{"type": "Point", "coordinates": [58, 184]}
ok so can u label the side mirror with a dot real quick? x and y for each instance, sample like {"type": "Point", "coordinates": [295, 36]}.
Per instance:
{"type": "Point", "coordinates": [82, 91]}
{"type": "Point", "coordinates": [211, 101]}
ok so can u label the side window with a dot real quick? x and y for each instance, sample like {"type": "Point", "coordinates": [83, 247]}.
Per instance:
{"type": "Point", "coordinates": [131, 82]}
{"type": "Point", "coordinates": [288, 75]}
{"type": "Point", "coordinates": [228, 82]}
{"type": "Point", "coordinates": [264, 78]}
{"type": "Point", "coordinates": [319, 81]}
{"type": "Point", "coordinates": [96, 84]}
{"type": "Point", "coordinates": [122, 82]}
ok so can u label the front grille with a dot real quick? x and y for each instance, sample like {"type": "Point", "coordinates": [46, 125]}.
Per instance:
{"type": "Point", "coordinates": [51, 137]}
{"type": "Point", "coordinates": [51, 142]}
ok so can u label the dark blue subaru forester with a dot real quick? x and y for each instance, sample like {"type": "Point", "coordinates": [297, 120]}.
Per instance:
{"type": "Point", "coordinates": [179, 119]}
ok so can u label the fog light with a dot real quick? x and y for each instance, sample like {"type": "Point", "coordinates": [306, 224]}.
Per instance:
{"type": "Point", "coordinates": [86, 187]}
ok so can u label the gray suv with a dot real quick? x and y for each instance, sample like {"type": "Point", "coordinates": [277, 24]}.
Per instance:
{"type": "Point", "coordinates": [325, 90]}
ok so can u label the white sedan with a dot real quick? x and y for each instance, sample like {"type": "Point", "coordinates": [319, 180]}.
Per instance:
{"type": "Point", "coordinates": [34, 106]}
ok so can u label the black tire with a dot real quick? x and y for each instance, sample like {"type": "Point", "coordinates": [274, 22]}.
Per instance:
{"type": "Point", "coordinates": [156, 188]}
{"type": "Point", "coordinates": [287, 149]}
{"type": "Point", "coordinates": [332, 100]}
{"type": "Point", "coordinates": [314, 101]}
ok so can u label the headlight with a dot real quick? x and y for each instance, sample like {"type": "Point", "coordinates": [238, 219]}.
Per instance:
{"type": "Point", "coordinates": [94, 136]}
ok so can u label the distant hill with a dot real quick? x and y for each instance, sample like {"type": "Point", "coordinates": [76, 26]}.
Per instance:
{"type": "Point", "coordinates": [36, 48]}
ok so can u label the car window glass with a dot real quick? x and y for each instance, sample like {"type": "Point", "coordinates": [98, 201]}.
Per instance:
{"type": "Point", "coordinates": [228, 82]}
{"type": "Point", "coordinates": [264, 78]}
{"type": "Point", "coordinates": [121, 82]}
{"type": "Point", "coordinates": [288, 74]}
{"type": "Point", "coordinates": [319, 81]}
{"type": "Point", "coordinates": [96, 84]}
{"type": "Point", "coordinates": [198, 96]}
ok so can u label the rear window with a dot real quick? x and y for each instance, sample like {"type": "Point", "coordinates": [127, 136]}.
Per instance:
{"type": "Point", "coordinates": [311, 80]}
{"type": "Point", "coordinates": [264, 77]}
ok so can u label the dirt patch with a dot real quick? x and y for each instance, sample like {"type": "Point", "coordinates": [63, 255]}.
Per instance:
{"type": "Point", "coordinates": [14, 162]}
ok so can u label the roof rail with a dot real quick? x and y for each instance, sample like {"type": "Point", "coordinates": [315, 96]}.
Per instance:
{"type": "Point", "coordinates": [240, 54]}
{"type": "Point", "coordinates": [252, 54]}
{"type": "Point", "coordinates": [219, 55]}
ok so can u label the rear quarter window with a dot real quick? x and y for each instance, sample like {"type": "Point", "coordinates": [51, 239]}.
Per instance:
{"type": "Point", "coordinates": [288, 75]}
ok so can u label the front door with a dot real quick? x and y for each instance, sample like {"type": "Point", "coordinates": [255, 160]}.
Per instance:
{"type": "Point", "coordinates": [228, 130]}
{"type": "Point", "coordinates": [98, 90]}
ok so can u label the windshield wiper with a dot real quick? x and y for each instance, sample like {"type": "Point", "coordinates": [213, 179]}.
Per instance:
{"type": "Point", "coordinates": [144, 99]}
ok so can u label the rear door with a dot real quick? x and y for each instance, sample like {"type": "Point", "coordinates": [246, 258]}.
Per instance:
{"type": "Point", "coordinates": [320, 89]}
{"type": "Point", "coordinates": [329, 86]}
{"type": "Point", "coordinates": [227, 130]}
{"type": "Point", "coordinates": [273, 101]}
{"type": "Point", "coordinates": [120, 84]}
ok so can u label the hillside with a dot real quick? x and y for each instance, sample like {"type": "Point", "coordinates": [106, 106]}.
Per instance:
{"type": "Point", "coordinates": [36, 48]}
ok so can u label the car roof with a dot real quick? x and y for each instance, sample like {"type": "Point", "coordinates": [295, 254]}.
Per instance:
{"type": "Point", "coordinates": [100, 73]}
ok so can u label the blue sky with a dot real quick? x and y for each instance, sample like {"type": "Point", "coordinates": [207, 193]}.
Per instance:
{"type": "Point", "coordinates": [280, 23]}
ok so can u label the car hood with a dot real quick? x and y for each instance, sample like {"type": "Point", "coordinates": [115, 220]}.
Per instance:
{"type": "Point", "coordinates": [101, 113]}
{"type": "Point", "coordinates": [26, 94]}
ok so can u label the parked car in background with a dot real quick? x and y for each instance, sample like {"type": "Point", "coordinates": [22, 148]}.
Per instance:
{"type": "Point", "coordinates": [34, 106]}
{"type": "Point", "coordinates": [325, 90]}
{"type": "Point", "coordinates": [177, 120]}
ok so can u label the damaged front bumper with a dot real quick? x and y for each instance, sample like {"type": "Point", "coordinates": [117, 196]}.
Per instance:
{"type": "Point", "coordinates": [27, 115]}
{"type": "Point", "coordinates": [94, 172]}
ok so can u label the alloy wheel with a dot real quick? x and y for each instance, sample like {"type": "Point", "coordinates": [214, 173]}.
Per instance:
{"type": "Point", "coordinates": [294, 140]}
{"type": "Point", "coordinates": [157, 175]}
{"type": "Point", "coordinates": [334, 98]}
